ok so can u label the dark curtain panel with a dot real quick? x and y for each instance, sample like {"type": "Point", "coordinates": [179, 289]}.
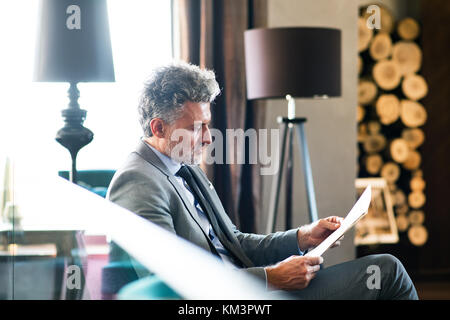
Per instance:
{"type": "Point", "coordinates": [189, 29]}
{"type": "Point", "coordinates": [212, 36]}
{"type": "Point", "coordinates": [434, 255]}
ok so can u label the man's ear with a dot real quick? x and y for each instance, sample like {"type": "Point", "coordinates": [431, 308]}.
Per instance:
{"type": "Point", "coordinates": [158, 127]}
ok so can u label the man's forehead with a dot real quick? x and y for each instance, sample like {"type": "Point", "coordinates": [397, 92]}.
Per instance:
{"type": "Point", "coordinates": [197, 110]}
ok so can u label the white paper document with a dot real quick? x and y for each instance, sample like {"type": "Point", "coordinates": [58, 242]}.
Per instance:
{"type": "Point", "coordinates": [357, 212]}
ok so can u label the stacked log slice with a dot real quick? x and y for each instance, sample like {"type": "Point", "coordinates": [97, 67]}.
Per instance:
{"type": "Point", "coordinates": [414, 87]}
{"type": "Point", "coordinates": [387, 74]}
{"type": "Point", "coordinates": [399, 150]}
{"type": "Point", "coordinates": [373, 163]}
{"type": "Point", "coordinates": [418, 235]}
{"type": "Point", "coordinates": [416, 199]}
{"type": "Point", "coordinates": [407, 56]}
{"type": "Point", "coordinates": [417, 184]}
{"type": "Point", "coordinates": [417, 173]}
{"type": "Point", "coordinates": [367, 91]}
{"type": "Point", "coordinates": [373, 127]}
{"type": "Point", "coordinates": [412, 113]}
{"type": "Point", "coordinates": [362, 133]}
{"type": "Point", "coordinates": [402, 209]}
{"type": "Point", "coordinates": [408, 29]}
{"type": "Point", "coordinates": [388, 108]}
{"type": "Point", "coordinates": [360, 113]}
{"type": "Point", "coordinates": [402, 223]}
{"type": "Point", "coordinates": [413, 161]}
{"type": "Point", "coordinates": [391, 172]}
{"type": "Point", "coordinates": [399, 197]}
{"type": "Point", "coordinates": [413, 137]}
{"type": "Point", "coordinates": [416, 217]}
{"type": "Point", "coordinates": [374, 143]}
{"type": "Point", "coordinates": [381, 46]}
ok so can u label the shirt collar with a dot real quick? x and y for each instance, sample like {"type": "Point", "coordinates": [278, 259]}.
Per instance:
{"type": "Point", "coordinates": [171, 164]}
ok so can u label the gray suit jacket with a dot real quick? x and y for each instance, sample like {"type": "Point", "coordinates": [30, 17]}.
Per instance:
{"type": "Point", "coordinates": [145, 186]}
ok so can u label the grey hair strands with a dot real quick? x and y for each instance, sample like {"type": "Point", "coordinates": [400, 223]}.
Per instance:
{"type": "Point", "coordinates": [169, 87]}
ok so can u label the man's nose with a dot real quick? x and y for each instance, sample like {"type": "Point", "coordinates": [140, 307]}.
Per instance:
{"type": "Point", "coordinates": [206, 139]}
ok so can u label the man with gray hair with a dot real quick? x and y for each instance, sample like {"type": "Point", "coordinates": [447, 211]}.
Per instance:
{"type": "Point", "coordinates": [162, 182]}
{"type": "Point", "coordinates": [180, 92]}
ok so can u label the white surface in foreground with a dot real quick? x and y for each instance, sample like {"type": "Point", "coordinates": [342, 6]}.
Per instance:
{"type": "Point", "coordinates": [189, 270]}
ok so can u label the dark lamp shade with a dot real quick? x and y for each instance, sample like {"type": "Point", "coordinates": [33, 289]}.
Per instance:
{"type": "Point", "coordinates": [300, 61]}
{"type": "Point", "coordinates": [74, 55]}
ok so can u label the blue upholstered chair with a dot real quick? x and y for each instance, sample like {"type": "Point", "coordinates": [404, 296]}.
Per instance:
{"type": "Point", "coordinates": [148, 288]}
{"type": "Point", "coordinates": [117, 274]}
{"type": "Point", "coordinates": [96, 181]}
{"type": "Point", "coordinates": [121, 270]}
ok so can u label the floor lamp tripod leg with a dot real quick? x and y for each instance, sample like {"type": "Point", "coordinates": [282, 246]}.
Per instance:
{"type": "Point", "coordinates": [275, 194]}
{"type": "Point", "coordinates": [304, 153]}
{"type": "Point", "coordinates": [289, 178]}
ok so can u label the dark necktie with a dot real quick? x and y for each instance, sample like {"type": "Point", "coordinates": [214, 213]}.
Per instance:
{"type": "Point", "coordinates": [185, 173]}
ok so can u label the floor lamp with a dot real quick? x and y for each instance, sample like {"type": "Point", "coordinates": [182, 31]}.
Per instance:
{"type": "Point", "coordinates": [74, 46]}
{"type": "Point", "coordinates": [298, 62]}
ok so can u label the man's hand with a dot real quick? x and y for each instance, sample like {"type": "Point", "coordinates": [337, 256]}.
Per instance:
{"type": "Point", "coordinates": [313, 234]}
{"type": "Point", "coordinates": [293, 273]}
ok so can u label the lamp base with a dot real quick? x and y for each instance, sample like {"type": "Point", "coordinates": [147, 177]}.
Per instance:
{"type": "Point", "coordinates": [74, 136]}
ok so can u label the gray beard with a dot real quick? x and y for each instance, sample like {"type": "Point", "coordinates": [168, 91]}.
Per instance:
{"type": "Point", "coordinates": [189, 158]}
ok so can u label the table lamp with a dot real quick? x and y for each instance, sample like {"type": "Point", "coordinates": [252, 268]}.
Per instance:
{"type": "Point", "coordinates": [296, 62]}
{"type": "Point", "coordinates": [74, 46]}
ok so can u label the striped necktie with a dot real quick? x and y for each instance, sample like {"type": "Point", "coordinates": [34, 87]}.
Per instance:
{"type": "Point", "coordinates": [185, 173]}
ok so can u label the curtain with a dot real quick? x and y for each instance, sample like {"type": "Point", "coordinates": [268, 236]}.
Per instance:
{"type": "Point", "coordinates": [211, 34]}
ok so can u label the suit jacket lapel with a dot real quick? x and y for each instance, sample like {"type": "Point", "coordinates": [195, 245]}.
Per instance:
{"type": "Point", "coordinates": [147, 154]}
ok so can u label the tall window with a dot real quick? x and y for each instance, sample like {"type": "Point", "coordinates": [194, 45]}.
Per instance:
{"type": "Point", "coordinates": [30, 112]}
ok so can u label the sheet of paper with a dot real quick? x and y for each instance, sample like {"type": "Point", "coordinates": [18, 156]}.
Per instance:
{"type": "Point", "coordinates": [357, 212]}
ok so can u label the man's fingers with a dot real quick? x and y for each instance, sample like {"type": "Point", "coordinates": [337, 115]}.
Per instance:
{"type": "Point", "coordinates": [310, 276]}
{"type": "Point", "coordinates": [335, 219]}
{"type": "Point", "coordinates": [312, 261]}
{"type": "Point", "coordinates": [313, 269]}
{"type": "Point", "coordinates": [329, 225]}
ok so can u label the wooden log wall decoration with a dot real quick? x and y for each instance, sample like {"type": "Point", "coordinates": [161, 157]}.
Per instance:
{"type": "Point", "coordinates": [388, 108]}
{"type": "Point", "coordinates": [390, 115]}
{"type": "Point", "coordinates": [408, 29]}
{"type": "Point", "coordinates": [407, 56]}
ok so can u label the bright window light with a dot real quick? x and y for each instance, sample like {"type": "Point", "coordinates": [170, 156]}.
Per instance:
{"type": "Point", "coordinates": [30, 112]}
